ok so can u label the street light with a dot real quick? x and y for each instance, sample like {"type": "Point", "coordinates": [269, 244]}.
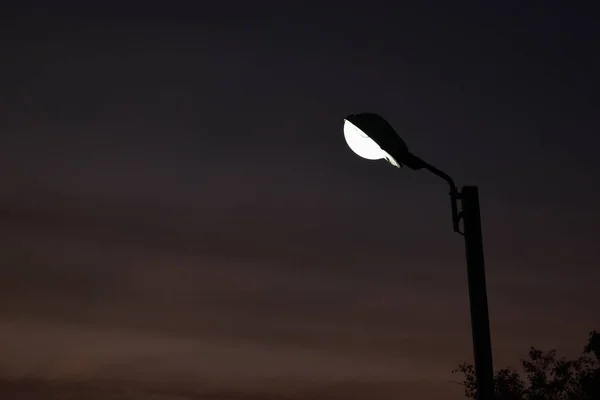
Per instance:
{"type": "Point", "coordinates": [372, 137]}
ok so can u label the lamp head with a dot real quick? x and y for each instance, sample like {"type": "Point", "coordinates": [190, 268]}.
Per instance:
{"type": "Point", "coordinates": [372, 137]}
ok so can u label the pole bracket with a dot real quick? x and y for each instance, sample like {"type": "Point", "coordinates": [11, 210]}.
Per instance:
{"type": "Point", "coordinates": [457, 215]}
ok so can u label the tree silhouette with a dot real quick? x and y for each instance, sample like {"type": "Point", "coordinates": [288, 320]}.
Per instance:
{"type": "Point", "coordinates": [545, 377]}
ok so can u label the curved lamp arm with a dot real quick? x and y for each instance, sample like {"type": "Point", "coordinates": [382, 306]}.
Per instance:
{"type": "Point", "coordinates": [414, 162]}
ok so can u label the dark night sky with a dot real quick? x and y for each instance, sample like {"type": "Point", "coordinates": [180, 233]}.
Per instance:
{"type": "Point", "coordinates": [178, 202]}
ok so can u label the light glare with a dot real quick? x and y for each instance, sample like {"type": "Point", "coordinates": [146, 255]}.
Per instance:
{"type": "Point", "coordinates": [360, 143]}
{"type": "Point", "coordinates": [363, 145]}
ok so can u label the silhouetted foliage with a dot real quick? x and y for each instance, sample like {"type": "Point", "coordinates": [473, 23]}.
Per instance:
{"type": "Point", "coordinates": [545, 377]}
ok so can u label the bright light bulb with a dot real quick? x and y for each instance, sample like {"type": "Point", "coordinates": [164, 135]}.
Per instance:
{"type": "Point", "coordinates": [363, 145]}
{"type": "Point", "coordinates": [360, 143]}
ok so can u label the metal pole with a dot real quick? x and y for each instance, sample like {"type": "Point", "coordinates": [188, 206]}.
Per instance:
{"type": "Point", "coordinates": [480, 324]}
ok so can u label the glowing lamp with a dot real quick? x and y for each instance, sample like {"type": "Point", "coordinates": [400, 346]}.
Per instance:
{"type": "Point", "coordinates": [372, 137]}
